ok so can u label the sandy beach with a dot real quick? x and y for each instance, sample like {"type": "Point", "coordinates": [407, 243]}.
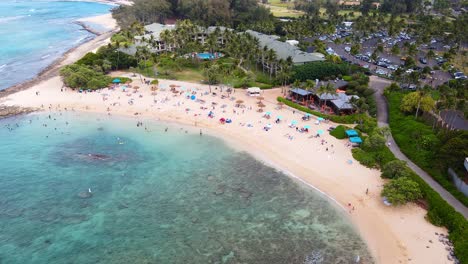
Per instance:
{"type": "Point", "coordinates": [394, 235]}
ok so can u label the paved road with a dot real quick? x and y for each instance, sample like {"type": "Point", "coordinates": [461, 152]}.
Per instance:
{"type": "Point", "coordinates": [378, 84]}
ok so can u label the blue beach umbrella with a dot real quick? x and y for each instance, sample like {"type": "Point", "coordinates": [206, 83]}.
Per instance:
{"type": "Point", "coordinates": [307, 126]}
{"type": "Point", "coordinates": [116, 80]}
{"type": "Point", "coordinates": [268, 113]}
{"type": "Point", "coordinates": [320, 119]}
{"type": "Point", "coordinates": [279, 117]}
{"type": "Point", "coordinates": [193, 97]}
{"type": "Point", "coordinates": [320, 131]}
{"type": "Point", "coordinates": [294, 122]}
{"type": "Point", "coordinates": [307, 114]}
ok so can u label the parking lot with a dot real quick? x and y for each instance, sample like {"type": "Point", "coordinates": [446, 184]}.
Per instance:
{"type": "Point", "coordinates": [387, 63]}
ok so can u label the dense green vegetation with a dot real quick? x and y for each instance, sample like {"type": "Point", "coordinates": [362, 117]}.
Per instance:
{"type": "Point", "coordinates": [205, 12]}
{"type": "Point", "coordinates": [339, 132]}
{"type": "Point", "coordinates": [90, 71]}
{"type": "Point", "coordinates": [320, 70]}
{"type": "Point", "coordinates": [83, 77]}
{"type": "Point", "coordinates": [431, 149]}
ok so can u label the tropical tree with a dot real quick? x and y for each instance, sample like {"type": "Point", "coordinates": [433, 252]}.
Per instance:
{"type": "Point", "coordinates": [401, 190]}
{"type": "Point", "coordinates": [395, 169]}
{"type": "Point", "coordinates": [419, 100]}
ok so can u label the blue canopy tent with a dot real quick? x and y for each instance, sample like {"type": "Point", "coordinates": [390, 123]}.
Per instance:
{"type": "Point", "coordinates": [117, 80]}
{"type": "Point", "coordinates": [355, 140]}
{"type": "Point", "coordinates": [351, 133]}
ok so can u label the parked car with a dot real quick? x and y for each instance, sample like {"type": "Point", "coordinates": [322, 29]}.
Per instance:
{"type": "Point", "coordinates": [423, 60]}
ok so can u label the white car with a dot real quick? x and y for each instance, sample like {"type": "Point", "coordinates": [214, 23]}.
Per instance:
{"type": "Point", "coordinates": [347, 49]}
{"type": "Point", "coordinates": [409, 71]}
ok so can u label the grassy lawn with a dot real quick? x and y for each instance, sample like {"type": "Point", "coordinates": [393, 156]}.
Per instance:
{"type": "Point", "coordinates": [280, 9]}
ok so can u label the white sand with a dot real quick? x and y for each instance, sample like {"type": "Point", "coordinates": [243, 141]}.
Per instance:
{"type": "Point", "coordinates": [394, 235]}
{"type": "Point", "coordinates": [104, 20]}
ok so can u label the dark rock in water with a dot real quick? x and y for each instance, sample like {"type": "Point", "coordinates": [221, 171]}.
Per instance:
{"type": "Point", "coordinates": [98, 156]}
{"type": "Point", "coordinates": [244, 193]}
{"type": "Point", "coordinates": [100, 129]}
{"type": "Point", "coordinates": [194, 220]}
{"type": "Point", "coordinates": [220, 190]}
{"type": "Point", "coordinates": [47, 241]}
{"type": "Point", "coordinates": [85, 194]}
{"type": "Point", "coordinates": [7, 111]}
{"type": "Point", "coordinates": [84, 205]}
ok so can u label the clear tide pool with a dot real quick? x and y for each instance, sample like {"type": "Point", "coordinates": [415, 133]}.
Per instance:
{"type": "Point", "coordinates": [156, 197]}
{"type": "Point", "coordinates": [34, 33]}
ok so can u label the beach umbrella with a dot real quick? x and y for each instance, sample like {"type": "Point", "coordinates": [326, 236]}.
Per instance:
{"type": "Point", "coordinates": [269, 126]}
{"type": "Point", "coordinates": [239, 101]}
{"type": "Point", "coordinates": [154, 88]}
{"type": "Point", "coordinates": [320, 131]}
{"type": "Point", "coordinates": [193, 97]}
{"type": "Point", "coordinates": [136, 87]}
{"type": "Point", "coordinates": [320, 119]}
{"type": "Point", "coordinates": [260, 98]}
{"type": "Point", "coordinates": [294, 122]}
{"type": "Point", "coordinates": [116, 80]}
{"type": "Point", "coordinates": [172, 85]}
{"type": "Point", "coordinates": [307, 126]}
{"type": "Point", "coordinates": [279, 117]}
{"type": "Point", "coordinates": [261, 105]}
{"type": "Point", "coordinates": [268, 113]}
{"type": "Point", "coordinates": [175, 92]}
{"type": "Point", "coordinates": [307, 114]}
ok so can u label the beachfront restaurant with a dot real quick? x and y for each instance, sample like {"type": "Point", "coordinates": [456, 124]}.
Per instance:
{"type": "Point", "coordinates": [300, 96]}
{"type": "Point", "coordinates": [343, 105]}
{"type": "Point", "coordinates": [339, 102]}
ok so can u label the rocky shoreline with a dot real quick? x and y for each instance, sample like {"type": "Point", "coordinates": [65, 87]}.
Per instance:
{"type": "Point", "coordinates": [9, 111]}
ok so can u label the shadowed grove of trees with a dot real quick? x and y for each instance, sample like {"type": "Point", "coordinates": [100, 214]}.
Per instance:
{"type": "Point", "coordinates": [203, 12]}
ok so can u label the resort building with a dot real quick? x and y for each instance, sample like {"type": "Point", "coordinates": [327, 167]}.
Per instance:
{"type": "Point", "coordinates": [284, 50]}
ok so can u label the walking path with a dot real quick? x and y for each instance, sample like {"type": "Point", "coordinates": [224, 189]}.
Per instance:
{"type": "Point", "coordinates": [378, 84]}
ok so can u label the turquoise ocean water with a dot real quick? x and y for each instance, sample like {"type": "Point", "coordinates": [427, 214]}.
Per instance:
{"type": "Point", "coordinates": [156, 197]}
{"type": "Point", "coordinates": [34, 33]}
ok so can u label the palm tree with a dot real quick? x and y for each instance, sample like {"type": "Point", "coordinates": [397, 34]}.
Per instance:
{"type": "Point", "coordinates": [271, 59]}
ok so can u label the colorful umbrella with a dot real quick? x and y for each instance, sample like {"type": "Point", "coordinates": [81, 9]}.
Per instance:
{"type": "Point", "coordinates": [279, 117]}
{"type": "Point", "coordinates": [307, 126]}
{"type": "Point", "coordinates": [320, 119]}
{"type": "Point", "coordinates": [320, 131]}
{"type": "Point", "coordinates": [294, 122]}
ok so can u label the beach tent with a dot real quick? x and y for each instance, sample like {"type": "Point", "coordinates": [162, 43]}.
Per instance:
{"type": "Point", "coordinates": [355, 140]}
{"type": "Point", "coordinates": [116, 80]}
{"type": "Point", "coordinates": [351, 133]}
{"type": "Point", "coordinates": [253, 91]}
